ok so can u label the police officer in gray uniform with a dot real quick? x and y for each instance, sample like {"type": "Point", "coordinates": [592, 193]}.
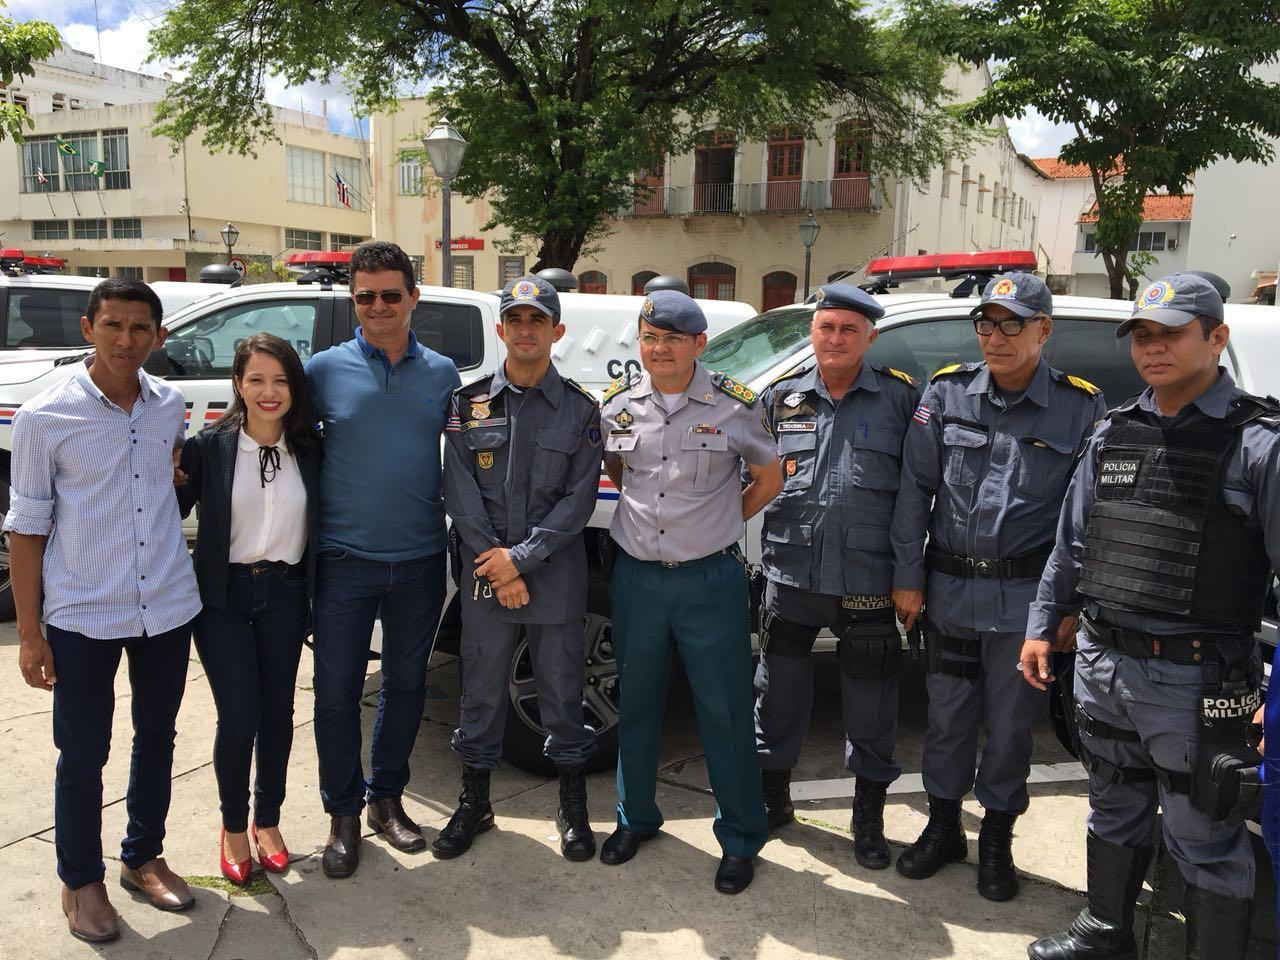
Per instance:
{"type": "Point", "coordinates": [521, 471]}
{"type": "Point", "coordinates": [985, 468]}
{"type": "Point", "coordinates": [1168, 539]}
{"type": "Point", "coordinates": [839, 424]}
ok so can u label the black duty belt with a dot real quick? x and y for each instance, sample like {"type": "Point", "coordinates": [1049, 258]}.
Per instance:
{"type": "Point", "coordinates": [1192, 649]}
{"type": "Point", "coordinates": [1004, 568]}
{"type": "Point", "coordinates": [261, 567]}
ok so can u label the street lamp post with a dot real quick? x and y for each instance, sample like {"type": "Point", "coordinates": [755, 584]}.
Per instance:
{"type": "Point", "coordinates": [229, 236]}
{"type": "Point", "coordinates": [809, 228]}
{"type": "Point", "coordinates": [445, 147]}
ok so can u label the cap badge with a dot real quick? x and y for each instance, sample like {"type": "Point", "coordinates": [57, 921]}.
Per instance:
{"type": "Point", "coordinates": [525, 290]}
{"type": "Point", "coordinates": [794, 399]}
{"type": "Point", "coordinates": [646, 308]}
{"type": "Point", "coordinates": [820, 296]}
{"type": "Point", "coordinates": [1004, 288]}
{"type": "Point", "coordinates": [625, 419]}
{"type": "Point", "coordinates": [484, 459]}
{"type": "Point", "coordinates": [1156, 295]}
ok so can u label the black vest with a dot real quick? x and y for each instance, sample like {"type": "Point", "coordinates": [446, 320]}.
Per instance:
{"type": "Point", "coordinates": [1160, 537]}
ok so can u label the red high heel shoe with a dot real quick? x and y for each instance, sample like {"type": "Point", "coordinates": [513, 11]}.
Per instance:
{"type": "Point", "coordinates": [271, 862]}
{"type": "Point", "coordinates": [237, 873]}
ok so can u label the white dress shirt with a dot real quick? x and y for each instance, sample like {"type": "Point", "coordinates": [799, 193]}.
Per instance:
{"type": "Point", "coordinates": [268, 521]}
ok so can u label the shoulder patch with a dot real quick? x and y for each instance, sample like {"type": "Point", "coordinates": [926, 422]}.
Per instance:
{"type": "Point", "coordinates": [904, 377]}
{"type": "Point", "coordinates": [573, 384]}
{"type": "Point", "coordinates": [1080, 383]}
{"type": "Point", "coordinates": [474, 387]}
{"type": "Point", "coordinates": [615, 388]}
{"type": "Point", "coordinates": [731, 387]}
{"type": "Point", "coordinates": [948, 370]}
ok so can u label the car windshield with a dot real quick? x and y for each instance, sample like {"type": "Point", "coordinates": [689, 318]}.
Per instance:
{"type": "Point", "coordinates": [750, 349]}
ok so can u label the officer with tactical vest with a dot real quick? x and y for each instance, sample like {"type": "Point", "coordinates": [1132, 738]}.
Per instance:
{"type": "Point", "coordinates": [839, 424]}
{"type": "Point", "coordinates": [985, 467]}
{"type": "Point", "coordinates": [521, 471]}
{"type": "Point", "coordinates": [678, 439]}
{"type": "Point", "coordinates": [1167, 542]}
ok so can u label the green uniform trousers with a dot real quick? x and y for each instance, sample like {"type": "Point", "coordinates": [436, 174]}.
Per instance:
{"type": "Point", "coordinates": [701, 609]}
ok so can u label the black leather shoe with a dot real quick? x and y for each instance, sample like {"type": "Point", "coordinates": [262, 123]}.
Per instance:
{"type": "Point", "coordinates": [942, 842]}
{"type": "Point", "coordinates": [577, 842]}
{"type": "Point", "coordinates": [474, 815]}
{"type": "Point", "coordinates": [388, 818]}
{"type": "Point", "coordinates": [342, 852]}
{"type": "Point", "coordinates": [735, 873]}
{"type": "Point", "coordinates": [997, 876]}
{"type": "Point", "coordinates": [621, 846]}
{"type": "Point", "coordinates": [777, 798]}
{"type": "Point", "coordinates": [870, 848]}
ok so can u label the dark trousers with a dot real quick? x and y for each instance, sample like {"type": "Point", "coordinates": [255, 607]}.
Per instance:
{"type": "Point", "coordinates": [250, 650]}
{"type": "Point", "coordinates": [349, 592]}
{"type": "Point", "coordinates": [83, 705]}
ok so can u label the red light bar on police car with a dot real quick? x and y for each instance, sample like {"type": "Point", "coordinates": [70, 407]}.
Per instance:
{"type": "Point", "coordinates": [11, 257]}
{"type": "Point", "coordinates": [309, 260]}
{"type": "Point", "coordinates": [951, 264]}
{"type": "Point", "coordinates": [45, 263]}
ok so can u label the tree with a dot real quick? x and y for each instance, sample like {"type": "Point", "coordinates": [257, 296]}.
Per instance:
{"type": "Point", "coordinates": [21, 44]}
{"type": "Point", "coordinates": [565, 101]}
{"type": "Point", "coordinates": [1154, 89]}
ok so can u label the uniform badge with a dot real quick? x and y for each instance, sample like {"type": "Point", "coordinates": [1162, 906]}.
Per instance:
{"type": "Point", "coordinates": [704, 428]}
{"type": "Point", "coordinates": [820, 297]}
{"type": "Point", "coordinates": [484, 459]}
{"type": "Point", "coordinates": [646, 308]}
{"type": "Point", "coordinates": [1004, 288]}
{"type": "Point", "coordinates": [525, 290]}
{"type": "Point", "coordinates": [480, 398]}
{"type": "Point", "coordinates": [790, 466]}
{"type": "Point", "coordinates": [798, 426]}
{"type": "Point", "coordinates": [922, 415]}
{"type": "Point", "coordinates": [865, 601]}
{"type": "Point", "coordinates": [625, 419]}
{"type": "Point", "coordinates": [479, 411]}
{"type": "Point", "coordinates": [794, 399]}
{"type": "Point", "coordinates": [593, 436]}
{"type": "Point", "coordinates": [1156, 295]}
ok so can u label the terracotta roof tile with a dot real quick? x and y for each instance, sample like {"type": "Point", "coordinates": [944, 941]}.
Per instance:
{"type": "Point", "coordinates": [1156, 208]}
{"type": "Point", "coordinates": [1055, 169]}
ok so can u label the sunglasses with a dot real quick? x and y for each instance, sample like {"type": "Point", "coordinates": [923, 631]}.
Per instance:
{"type": "Point", "coordinates": [389, 297]}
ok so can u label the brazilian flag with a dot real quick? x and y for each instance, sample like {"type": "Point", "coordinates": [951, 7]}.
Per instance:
{"type": "Point", "coordinates": [66, 149]}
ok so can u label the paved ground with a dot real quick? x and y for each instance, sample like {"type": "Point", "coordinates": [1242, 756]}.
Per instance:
{"type": "Point", "coordinates": [513, 896]}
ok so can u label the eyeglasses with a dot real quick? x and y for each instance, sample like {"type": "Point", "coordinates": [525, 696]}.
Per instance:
{"type": "Point", "coordinates": [1010, 326]}
{"type": "Point", "coordinates": [667, 340]}
{"type": "Point", "coordinates": [389, 297]}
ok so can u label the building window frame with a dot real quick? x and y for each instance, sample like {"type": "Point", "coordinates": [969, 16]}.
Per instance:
{"type": "Point", "coordinates": [409, 173]}
{"type": "Point", "coordinates": [464, 272]}
{"type": "Point", "coordinates": [298, 238]}
{"type": "Point", "coordinates": [304, 175]}
{"type": "Point", "coordinates": [50, 230]}
{"type": "Point", "coordinates": [509, 270]}
{"type": "Point", "coordinates": [93, 228]}
{"type": "Point", "coordinates": [115, 155]}
{"type": "Point", "coordinates": [126, 228]}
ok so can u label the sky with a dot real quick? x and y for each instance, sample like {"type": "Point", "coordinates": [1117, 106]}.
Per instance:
{"type": "Point", "coordinates": [124, 25]}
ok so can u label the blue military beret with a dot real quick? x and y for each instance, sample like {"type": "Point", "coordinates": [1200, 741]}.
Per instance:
{"type": "Point", "coordinates": [530, 292]}
{"type": "Point", "coordinates": [673, 310]}
{"type": "Point", "coordinates": [845, 296]}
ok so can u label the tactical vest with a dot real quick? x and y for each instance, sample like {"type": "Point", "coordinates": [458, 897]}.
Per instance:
{"type": "Point", "coordinates": [1160, 537]}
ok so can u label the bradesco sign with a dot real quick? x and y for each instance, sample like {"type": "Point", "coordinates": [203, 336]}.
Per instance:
{"type": "Point", "coordinates": [463, 243]}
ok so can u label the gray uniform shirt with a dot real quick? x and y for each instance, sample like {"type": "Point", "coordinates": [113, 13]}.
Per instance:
{"type": "Point", "coordinates": [681, 495]}
{"type": "Point", "coordinates": [986, 480]}
{"type": "Point", "coordinates": [828, 531]}
{"type": "Point", "coordinates": [521, 470]}
{"type": "Point", "coordinates": [1252, 486]}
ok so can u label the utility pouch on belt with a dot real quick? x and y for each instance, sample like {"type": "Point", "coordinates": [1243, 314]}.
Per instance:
{"type": "Point", "coordinates": [1226, 777]}
{"type": "Point", "coordinates": [869, 650]}
{"type": "Point", "coordinates": [455, 556]}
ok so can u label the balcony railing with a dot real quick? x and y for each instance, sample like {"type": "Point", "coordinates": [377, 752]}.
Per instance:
{"type": "Point", "coordinates": [774, 196]}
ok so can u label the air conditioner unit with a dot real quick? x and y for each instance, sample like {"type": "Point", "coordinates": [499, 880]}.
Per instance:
{"type": "Point", "coordinates": [1172, 243]}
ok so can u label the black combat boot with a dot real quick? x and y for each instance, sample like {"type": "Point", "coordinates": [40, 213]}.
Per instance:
{"type": "Point", "coordinates": [474, 815]}
{"type": "Point", "coordinates": [1104, 929]}
{"type": "Point", "coordinates": [997, 876]}
{"type": "Point", "coordinates": [577, 842]}
{"type": "Point", "coordinates": [942, 842]}
{"type": "Point", "coordinates": [777, 798]}
{"type": "Point", "coordinates": [1217, 926]}
{"type": "Point", "coordinates": [869, 845]}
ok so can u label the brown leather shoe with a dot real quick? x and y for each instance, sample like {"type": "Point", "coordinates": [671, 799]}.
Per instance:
{"type": "Point", "coordinates": [90, 916]}
{"type": "Point", "coordinates": [164, 888]}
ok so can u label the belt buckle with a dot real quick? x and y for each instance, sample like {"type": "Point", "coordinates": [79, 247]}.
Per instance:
{"type": "Point", "coordinates": [671, 564]}
{"type": "Point", "coordinates": [983, 568]}
{"type": "Point", "coordinates": [256, 569]}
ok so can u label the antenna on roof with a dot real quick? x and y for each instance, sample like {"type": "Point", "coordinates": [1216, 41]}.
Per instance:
{"type": "Point", "coordinates": [97, 29]}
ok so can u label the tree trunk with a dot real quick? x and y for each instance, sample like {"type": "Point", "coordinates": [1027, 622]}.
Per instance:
{"type": "Point", "coordinates": [1116, 276]}
{"type": "Point", "coordinates": [559, 248]}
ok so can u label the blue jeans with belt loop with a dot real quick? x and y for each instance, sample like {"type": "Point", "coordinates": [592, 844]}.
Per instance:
{"type": "Point", "coordinates": [250, 650]}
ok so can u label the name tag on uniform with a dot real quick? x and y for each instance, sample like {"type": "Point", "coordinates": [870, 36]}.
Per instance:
{"type": "Point", "coordinates": [1118, 471]}
{"type": "Point", "coordinates": [797, 426]}
{"type": "Point", "coordinates": [492, 422]}
{"type": "Point", "coordinates": [704, 428]}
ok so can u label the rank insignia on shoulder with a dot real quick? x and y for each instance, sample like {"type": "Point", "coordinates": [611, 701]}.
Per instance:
{"type": "Point", "coordinates": [948, 370]}
{"type": "Point", "coordinates": [484, 459]}
{"type": "Point", "coordinates": [904, 377]}
{"type": "Point", "coordinates": [625, 419]}
{"type": "Point", "coordinates": [1080, 383]}
{"type": "Point", "coordinates": [579, 388]}
{"type": "Point", "coordinates": [616, 388]}
{"type": "Point", "coordinates": [733, 388]}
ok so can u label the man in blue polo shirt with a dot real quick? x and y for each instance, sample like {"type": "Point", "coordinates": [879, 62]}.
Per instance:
{"type": "Point", "coordinates": [382, 398]}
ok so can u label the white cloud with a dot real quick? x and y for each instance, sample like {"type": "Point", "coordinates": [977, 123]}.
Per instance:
{"type": "Point", "coordinates": [124, 45]}
{"type": "Point", "coordinates": [1037, 136]}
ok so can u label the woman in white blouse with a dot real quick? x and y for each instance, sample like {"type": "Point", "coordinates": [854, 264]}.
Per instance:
{"type": "Point", "coordinates": [255, 474]}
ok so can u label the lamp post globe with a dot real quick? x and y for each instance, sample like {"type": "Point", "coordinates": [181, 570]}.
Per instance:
{"type": "Point", "coordinates": [809, 229]}
{"type": "Point", "coordinates": [445, 147]}
{"type": "Point", "coordinates": [229, 236]}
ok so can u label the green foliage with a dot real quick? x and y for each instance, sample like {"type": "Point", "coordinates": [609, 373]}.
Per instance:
{"type": "Point", "coordinates": [1155, 89]}
{"type": "Point", "coordinates": [20, 45]}
{"type": "Point", "coordinates": [563, 101]}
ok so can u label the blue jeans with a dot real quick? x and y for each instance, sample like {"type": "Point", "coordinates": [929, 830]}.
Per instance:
{"type": "Point", "coordinates": [349, 592]}
{"type": "Point", "coordinates": [83, 704]}
{"type": "Point", "coordinates": [250, 650]}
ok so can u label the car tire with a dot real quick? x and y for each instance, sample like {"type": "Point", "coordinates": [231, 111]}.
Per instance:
{"type": "Point", "coordinates": [524, 736]}
{"type": "Point", "coordinates": [7, 608]}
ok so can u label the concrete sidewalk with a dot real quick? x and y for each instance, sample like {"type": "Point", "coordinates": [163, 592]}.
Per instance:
{"type": "Point", "coordinates": [513, 895]}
